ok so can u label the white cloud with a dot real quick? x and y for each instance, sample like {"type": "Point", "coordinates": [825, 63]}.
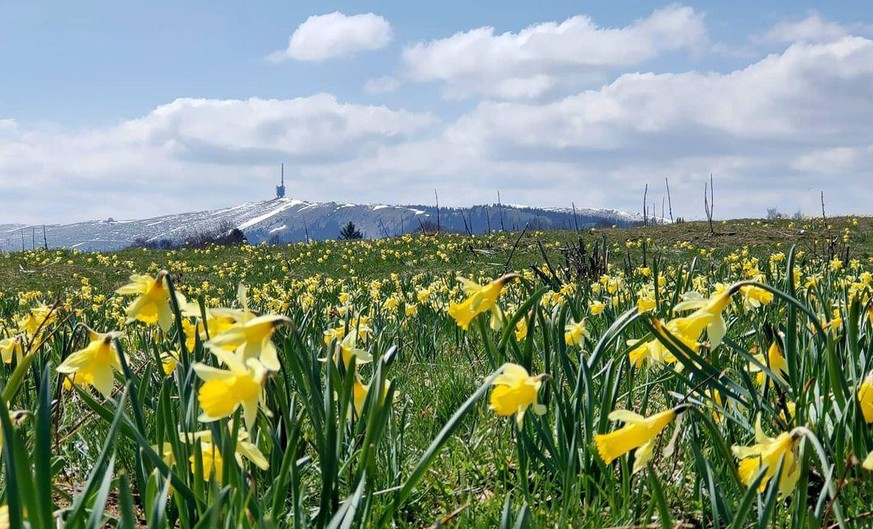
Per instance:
{"type": "Point", "coordinates": [190, 153]}
{"type": "Point", "coordinates": [308, 127]}
{"type": "Point", "coordinates": [836, 160]}
{"type": "Point", "coordinates": [531, 62]}
{"type": "Point", "coordinates": [812, 93]}
{"type": "Point", "coordinates": [773, 133]}
{"type": "Point", "coordinates": [335, 35]}
{"type": "Point", "coordinates": [382, 85]}
{"type": "Point", "coordinates": [813, 28]}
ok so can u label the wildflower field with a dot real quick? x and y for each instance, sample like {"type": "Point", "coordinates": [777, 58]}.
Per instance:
{"type": "Point", "coordinates": [655, 377]}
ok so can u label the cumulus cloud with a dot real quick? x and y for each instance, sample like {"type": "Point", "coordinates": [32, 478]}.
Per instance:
{"type": "Point", "coordinates": [531, 62]}
{"type": "Point", "coordinates": [188, 153]}
{"type": "Point", "coordinates": [811, 93]}
{"type": "Point", "coordinates": [774, 133]}
{"type": "Point", "coordinates": [335, 35]}
{"type": "Point", "coordinates": [812, 28]}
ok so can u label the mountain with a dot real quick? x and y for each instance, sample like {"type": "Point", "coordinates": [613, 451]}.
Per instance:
{"type": "Point", "coordinates": [291, 220]}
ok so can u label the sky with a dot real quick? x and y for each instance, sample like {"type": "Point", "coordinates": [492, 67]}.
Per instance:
{"type": "Point", "coordinates": [137, 109]}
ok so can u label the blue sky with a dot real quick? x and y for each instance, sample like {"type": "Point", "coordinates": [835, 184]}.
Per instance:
{"type": "Point", "coordinates": [132, 110]}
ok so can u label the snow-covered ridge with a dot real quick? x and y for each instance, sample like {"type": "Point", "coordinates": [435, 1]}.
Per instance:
{"type": "Point", "coordinates": [291, 220]}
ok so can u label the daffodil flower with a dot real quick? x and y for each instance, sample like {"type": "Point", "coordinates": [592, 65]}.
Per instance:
{"type": "Point", "coordinates": [868, 462]}
{"type": "Point", "coordinates": [515, 391]}
{"type": "Point", "coordinates": [211, 460]}
{"type": "Point", "coordinates": [754, 297]}
{"type": "Point", "coordinates": [652, 351]}
{"type": "Point", "coordinates": [348, 348]}
{"type": "Point", "coordinates": [361, 391]}
{"type": "Point", "coordinates": [12, 346]}
{"type": "Point", "coordinates": [334, 334]}
{"type": "Point", "coordinates": [169, 361]}
{"type": "Point", "coordinates": [574, 333]}
{"type": "Point", "coordinates": [766, 453]}
{"type": "Point", "coordinates": [521, 330]}
{"type": "Point", "coordinates": [252, 340]}
{"type": "Point", "coordinates": [223, 391]}
{"type": "Point", "coordinates": [37, 319]}
{"type": "Point", "coordinates": [708, 315]}
{"type": "Point", "coordinates": [153, 302]}
{"type": "Point", "coordinates": [95, 363]}
{"type": "Point", "coordinates": [715, 403]}
{"type": "Point", "coordinates": [479, 299]}
{"type": "Point", "coordinates": [775, 361]}
{"type": "Point", "coordinates": [865, 398]}
{"type": "Point", "coordinates": [638, 433]}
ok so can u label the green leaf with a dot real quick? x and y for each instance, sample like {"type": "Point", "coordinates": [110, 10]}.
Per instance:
{"type": "Point", "coordinates": [435, 446]}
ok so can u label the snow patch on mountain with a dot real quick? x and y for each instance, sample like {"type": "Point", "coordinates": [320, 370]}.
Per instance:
{"type": "Point", "coordinates": [291, 220]}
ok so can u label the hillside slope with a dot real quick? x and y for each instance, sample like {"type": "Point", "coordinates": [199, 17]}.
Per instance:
{"type": "Point", "coordinates": [291, 220]}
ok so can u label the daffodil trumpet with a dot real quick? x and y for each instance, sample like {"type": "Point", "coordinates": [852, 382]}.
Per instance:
{"type": "Point", "coordinates": [769, 454]}
{"type": "Point", "coordinates": [639, 433]}
{"type": "Point", "coordinates": [515, 391]}
{"type": "Point", "coordinates": [480, 298]}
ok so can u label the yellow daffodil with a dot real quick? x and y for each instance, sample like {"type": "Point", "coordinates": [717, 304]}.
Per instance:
{"type": "Point", "coordinates": [4, 517]}
{"type": "Point", "coordinates": [213, 463]}
{"type": "Point", "coordinates": [10, 347]}
{"type": "Point", "coordinates": [169, 361]}
{"type": "Point", "coordinates": [865, 398]}
{"type": "Point", "coordinates": [652, 351]}
{"type": "Point", "coordinates": [788, 413]}
{"type": "Point", "coordinates": [754, 297]}
{"type": "Point", "coordinates": [655, 351]}
{"type": "Point", "coordinates": [95, 363]}
{"type": "Point", "coordinates": [575, 333]}
{"type": "Point", "coordinates": [521, 330]}
{"type": "Point", "coordinates": [775, 361]}
{"type": "Point", "coordinates": [348, 348]}
{"type": "Point", "coordinates": [715, 403]}
{"type": "Point", "coordinates": [335, 333]}
{"type": "Point", "coordinates": [766, 453]}
{"type": "Point", "coordinates": [836, 321]}
{"type": "Point", "coordinates": [252, 339]}
{"type": "Point", "coordinates": [223, 391]}
{"type": "Point", "coordinates": [391, 303]}
{"type": "Point", "coordinates": [596, 307]}
{"type": "Point", "coordinates": [360, 393]}
{"type": "Point", "coordinates": [479, 299]}
{"type": "Point", "coordinates": [708, 315]}
{"type": "Point", "coordinates": [638, 433]}
{"type": "Point", "coordinates": [868, 462]}
{"type": "Point", "coordinates": [191, 331]}
{"type": "Point", "coordinates": [153, 302]}
{"type": "Point", "coordinates": [37, 319]}
{"type": "Point", "coordinates": [515, 391]}
{"type": "Point", "coordinates": [646, 299]}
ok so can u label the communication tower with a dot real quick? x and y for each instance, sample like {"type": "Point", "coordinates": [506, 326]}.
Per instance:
{"type": "Point", "coordinates": [280, 189]}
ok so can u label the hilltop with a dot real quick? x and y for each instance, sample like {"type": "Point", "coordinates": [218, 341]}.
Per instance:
{"type": "Point", "coordinates": [283, 220]}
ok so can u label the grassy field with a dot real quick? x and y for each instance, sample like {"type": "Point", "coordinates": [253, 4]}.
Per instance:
{"type": "Point", "coordinates": [680, 376]}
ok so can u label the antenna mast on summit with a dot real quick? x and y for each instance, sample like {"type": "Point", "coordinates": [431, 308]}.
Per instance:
{"type": "Point", "coordinates": [280, 189]}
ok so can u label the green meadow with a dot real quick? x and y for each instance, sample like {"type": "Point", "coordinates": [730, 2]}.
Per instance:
{"type": "Point", "coordinates": [685, 375]}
